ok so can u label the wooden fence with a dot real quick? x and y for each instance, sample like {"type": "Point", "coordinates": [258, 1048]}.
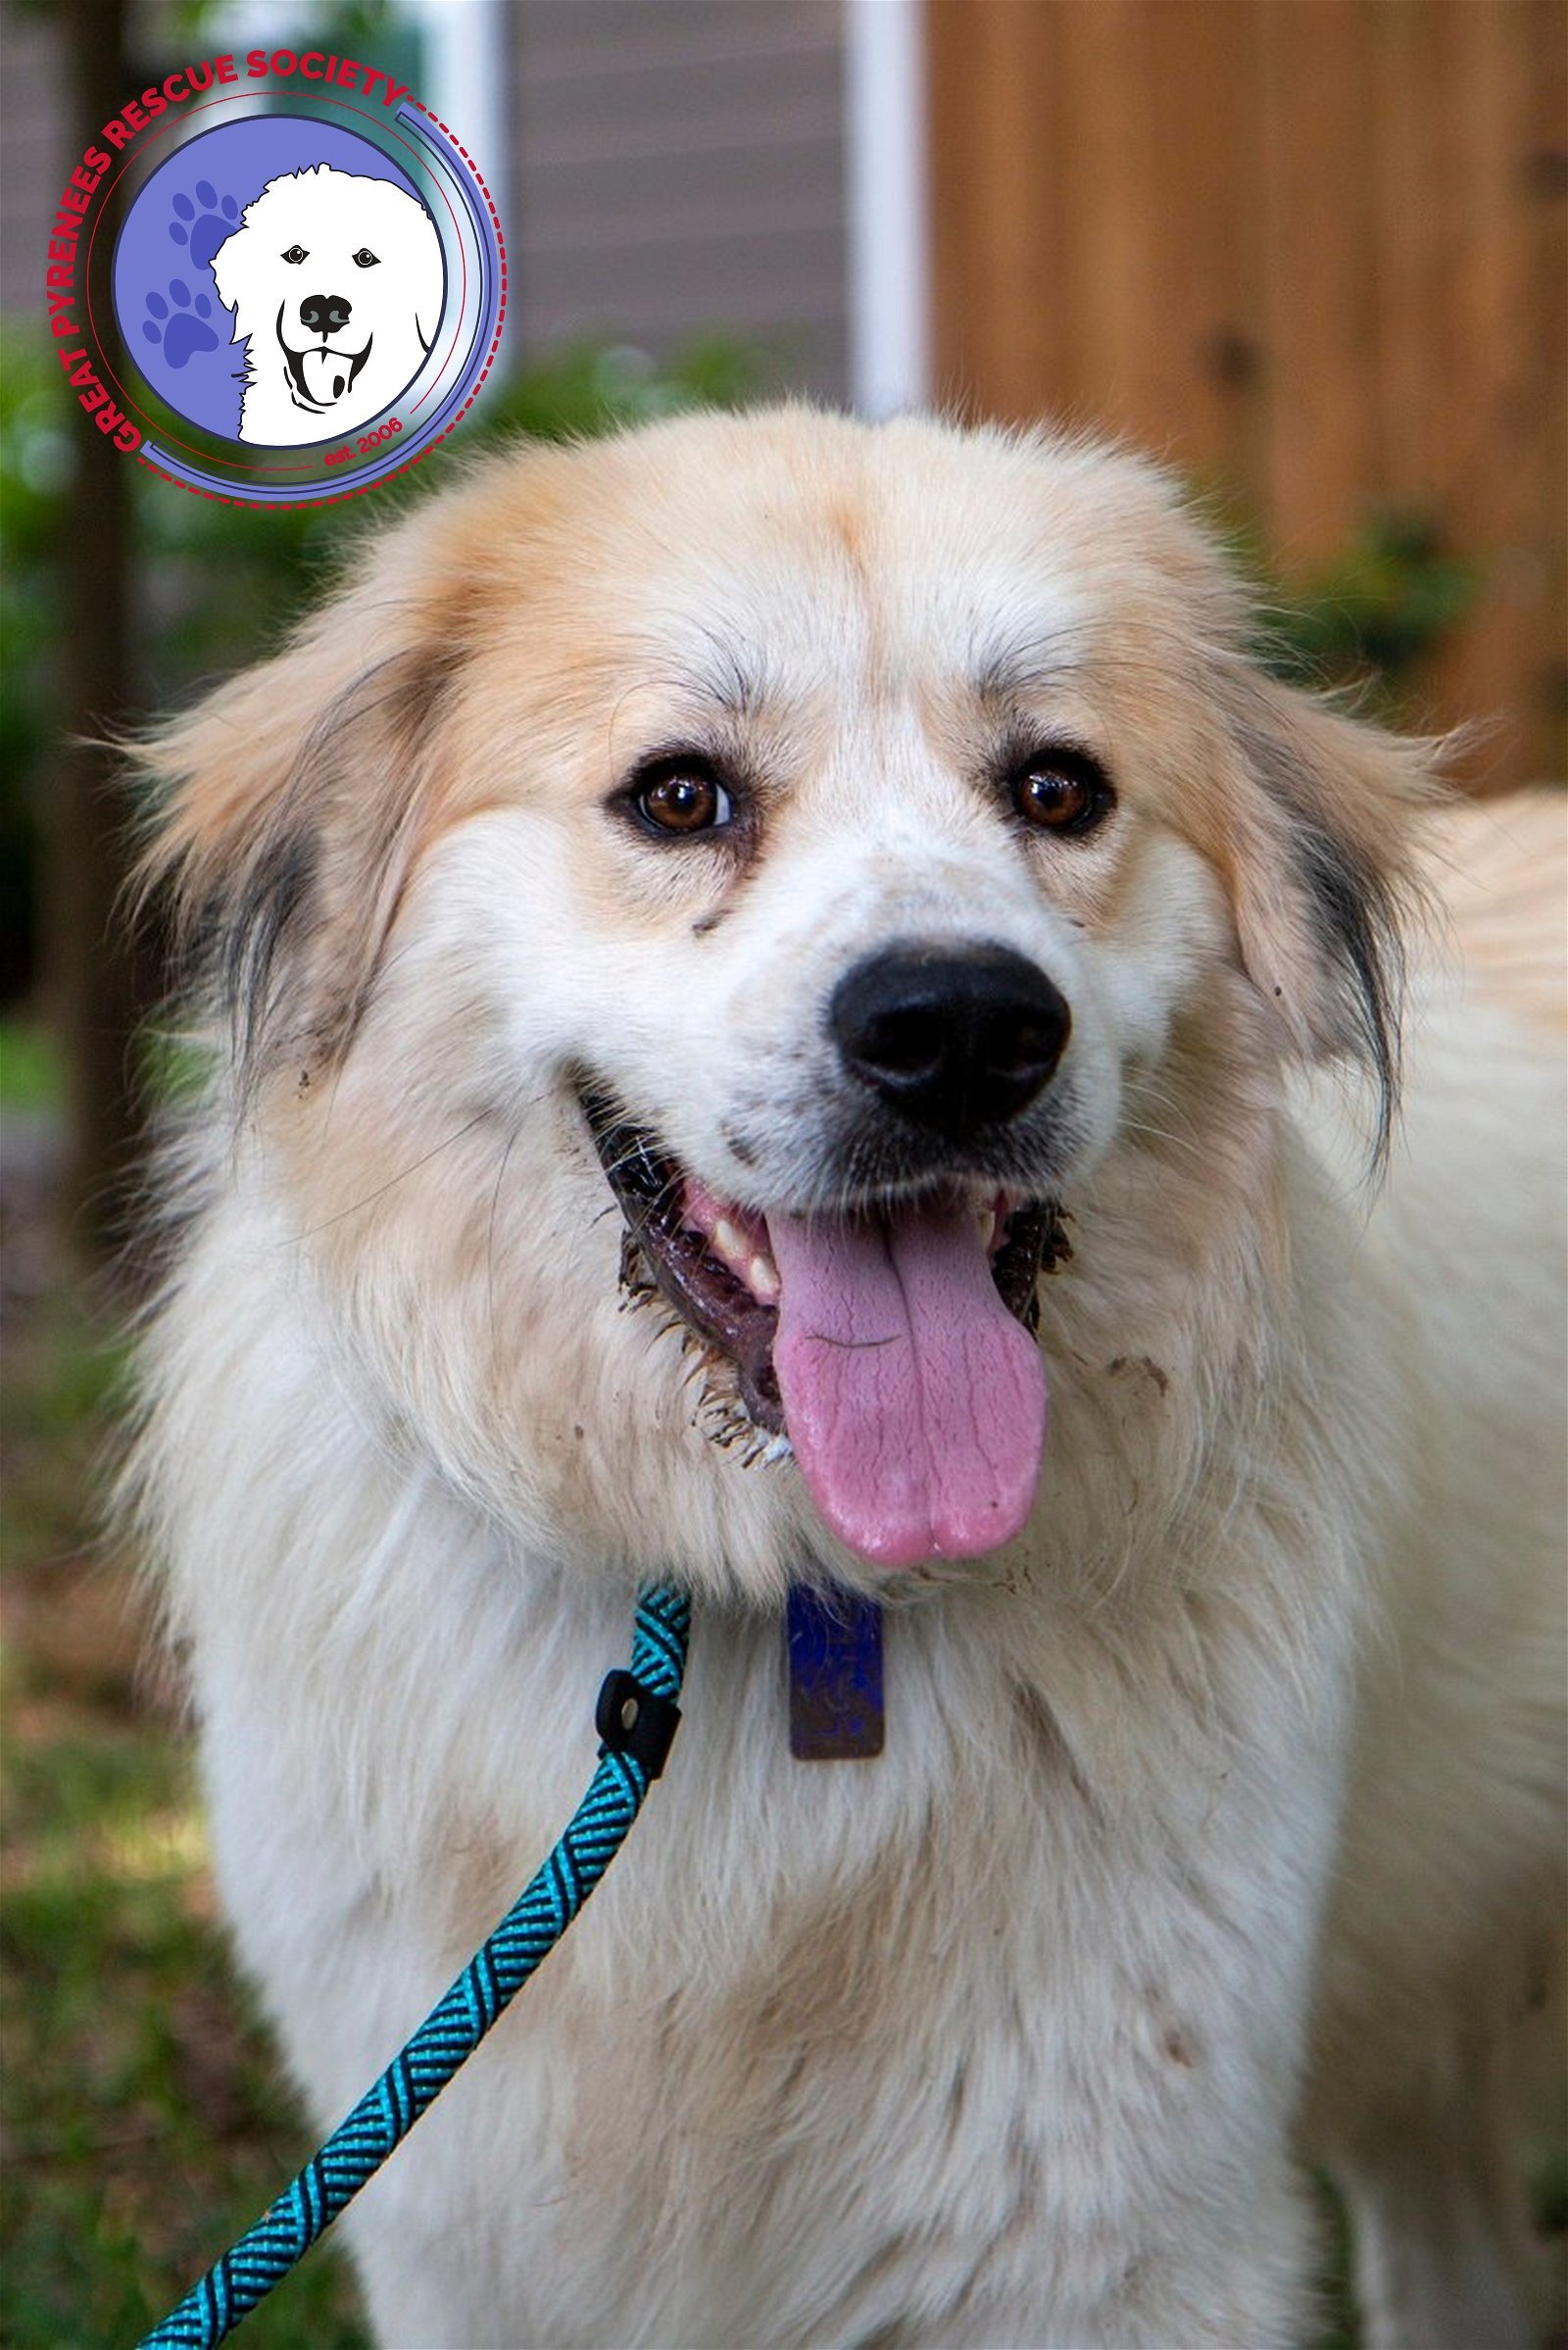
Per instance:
{"type": "Point", "coordinates": [1316, 249]}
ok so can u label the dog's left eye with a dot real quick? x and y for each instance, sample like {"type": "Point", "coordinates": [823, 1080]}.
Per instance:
{"type": "Point", "coordinates": [682, 795]}
{"type": "Point", "coordinates": [365, 259]}
{"type": "Point", "coordinates": [1061, 791]}
{"type": "Point", "coordinates": [295, 253]}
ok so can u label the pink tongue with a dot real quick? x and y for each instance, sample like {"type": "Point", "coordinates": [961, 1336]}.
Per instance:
{"type": "Point", "coordinates": [914, 1400]}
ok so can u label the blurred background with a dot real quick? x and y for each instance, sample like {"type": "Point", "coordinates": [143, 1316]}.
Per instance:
{"type": "Point", "coordinates": [1313, 253]}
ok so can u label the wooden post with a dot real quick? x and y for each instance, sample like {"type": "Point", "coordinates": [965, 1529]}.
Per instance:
{"type": "Point", "coordinates": [94, 979]}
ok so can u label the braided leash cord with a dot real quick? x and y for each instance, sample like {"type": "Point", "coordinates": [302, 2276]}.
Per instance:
{"type": "Point", "coordinates": [456, 2025]}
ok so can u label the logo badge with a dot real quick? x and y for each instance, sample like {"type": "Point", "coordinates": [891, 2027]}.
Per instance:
{"type": "Point", "coordinates": [304, 267]}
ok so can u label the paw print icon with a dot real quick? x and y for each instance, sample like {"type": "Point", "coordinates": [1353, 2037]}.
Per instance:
{"type": "Point", "coordinates": [179, 323]}
{"type": "Point", "coordinates": [202, 220]}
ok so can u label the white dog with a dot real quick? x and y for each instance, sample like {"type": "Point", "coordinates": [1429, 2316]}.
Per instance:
{"type": "Point", "coordinates": [853, 881]}
{"type": "Point", "coordinates": [336, 285]}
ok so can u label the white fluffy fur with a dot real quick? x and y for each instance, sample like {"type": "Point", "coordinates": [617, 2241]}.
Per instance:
{"type": "Point", "coordinates": [1220, 1816]}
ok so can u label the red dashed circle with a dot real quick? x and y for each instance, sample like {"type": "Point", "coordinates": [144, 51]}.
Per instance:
{"type": "Point", "coordinates": [341, 495]}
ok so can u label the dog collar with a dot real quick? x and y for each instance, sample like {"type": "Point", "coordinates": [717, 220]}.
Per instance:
{"type": "Point", "coordinates": [835, 1659]}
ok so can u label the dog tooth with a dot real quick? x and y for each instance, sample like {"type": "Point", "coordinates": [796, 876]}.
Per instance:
{"type": "Point", "coordinates": [727, 1241]}
{"type": "Point", "coordinates": [761, 1276]}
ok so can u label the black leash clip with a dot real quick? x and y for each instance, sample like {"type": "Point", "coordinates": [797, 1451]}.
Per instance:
{"type": "Point", "coordinates": [636, 1720]}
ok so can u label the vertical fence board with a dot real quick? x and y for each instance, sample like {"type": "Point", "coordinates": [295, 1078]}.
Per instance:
{"type": "Point", "coordinates": [996, 132]}
{"type": "Point", "coordinates": [1483, 353]}
{"type": "Point", "coordinates": [1319, 290]}
{"type": "Point", "coordinates": [1544, 452]}
{"type": "Point", "coordinates": [1103, 220]}
{"type": "Point", "coordinates": [1410, 231]}
{"type": "Point", "coordinates": [1201, 375]}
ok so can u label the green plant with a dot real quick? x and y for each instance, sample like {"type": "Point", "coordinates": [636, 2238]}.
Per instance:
{"type": "Point", "coordinates": [31, 1077]}
{"type": "Point", "coordinates": [1370, 618]}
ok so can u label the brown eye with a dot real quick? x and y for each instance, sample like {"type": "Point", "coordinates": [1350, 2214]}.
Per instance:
{"type": "Point", "coordinates": [1061, 791]}
{"type": "Point", "coordinates": [684, 798]}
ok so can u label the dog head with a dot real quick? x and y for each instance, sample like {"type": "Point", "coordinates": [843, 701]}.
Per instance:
{"type": "Point", "coordinates": [796, 864]}
{"type": "Point", "coordinates": [336, 282]}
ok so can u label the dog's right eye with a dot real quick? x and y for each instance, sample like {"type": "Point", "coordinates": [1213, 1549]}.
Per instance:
{"type": "Point", "coordinates": [682, 795]}
{"type": "Point", "coordinates": [296, 254]}
{"type": "Point", "coordinates": [1062, 790]}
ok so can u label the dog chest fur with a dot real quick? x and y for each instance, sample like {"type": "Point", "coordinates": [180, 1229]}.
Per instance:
{"type": "Point", "coordinates": [1041, 1972]}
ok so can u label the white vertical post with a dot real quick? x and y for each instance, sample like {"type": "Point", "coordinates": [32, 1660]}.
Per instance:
{"type": "Point", "coordinates": [888, 261]}
{"type": "Point", "coordinates": [467, 69]}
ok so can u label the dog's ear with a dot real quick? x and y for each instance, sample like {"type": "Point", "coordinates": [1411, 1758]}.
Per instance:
{"type": "Point", "coordinates": [289, 805]}
{"type": "Point", "coordinates": [1322, 824]}
{"type": "Point", "coordinates": [429, 280]}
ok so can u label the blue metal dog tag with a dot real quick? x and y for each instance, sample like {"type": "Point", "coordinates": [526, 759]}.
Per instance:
{"type": "Point", "coordinates": [835, 1646]}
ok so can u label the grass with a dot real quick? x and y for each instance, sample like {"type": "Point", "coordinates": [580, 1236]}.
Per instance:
{"type": "Point", "coordinates": [143, 2122]}
{"type": "Point", "coordinates": [144, 2127]}
{"type": "Point", "coordinates": [30, 1071]}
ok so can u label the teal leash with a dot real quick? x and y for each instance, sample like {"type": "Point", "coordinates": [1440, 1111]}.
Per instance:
{"type": "Point", "coordinates": [636, 1718]}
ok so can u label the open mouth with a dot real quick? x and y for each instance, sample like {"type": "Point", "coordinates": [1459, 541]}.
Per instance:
{"type": "Point", "coordinates": [319, 375]}
{"type": "Point", "coordinates": [894, 1347]}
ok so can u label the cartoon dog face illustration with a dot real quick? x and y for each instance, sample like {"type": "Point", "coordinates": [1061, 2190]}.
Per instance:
{"type": "Point", "coordinates": [336, 285]}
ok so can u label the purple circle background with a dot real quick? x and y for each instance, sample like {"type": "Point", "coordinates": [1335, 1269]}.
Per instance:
{"type": "Point", "coordinates": [236, 159]}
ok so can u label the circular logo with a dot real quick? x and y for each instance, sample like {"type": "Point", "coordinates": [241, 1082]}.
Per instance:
{"type": "Point", "coordinates": [308, 282]}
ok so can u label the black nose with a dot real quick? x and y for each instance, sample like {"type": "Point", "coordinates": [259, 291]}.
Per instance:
{"type": "Point", "coordinates": [324, 314]}
{"type": "Point", "coordinates": [953, 1039]}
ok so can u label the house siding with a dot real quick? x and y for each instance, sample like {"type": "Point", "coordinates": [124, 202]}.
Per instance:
{"type": "Point", "coordinates": [680, 169]}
